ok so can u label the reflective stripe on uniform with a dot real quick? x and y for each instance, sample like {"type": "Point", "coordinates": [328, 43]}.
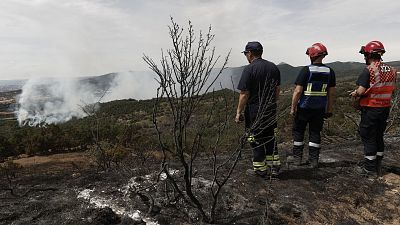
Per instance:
{"type": "Point", "coordinates": [379, 153]}
{"type": "Point", "coordinates": [258, 164]}
{"type": "Point", "coordinates": [269, 158]}
{"type": "Point", "coordinates": [371, 157]}
{"type": "Point", "coordinates": [273, 160]}
{"type": "Point", "coordinates": [319, 69]}
{"type": "Point", "coordinates": [383, 84]}
{"type": "Point", "coordinates": [298, 143]}
{"type": "Point", "coordinates": [324, 86]}
{"type": "Point", "coordinates": [384, 96]}
{"type": "Point", "coordinates": [312, 144]}
{"type": "Point", "coordinates": [315, 93]}
{"type": "Point", "coordinates": [309, 87]}
{"type": "Point", "coordinates": [260, 168]}
{"type": "Point", "coordinates": [250, 139]}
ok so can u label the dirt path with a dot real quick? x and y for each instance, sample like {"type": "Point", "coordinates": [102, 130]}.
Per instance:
{"type": "Point", "coordinates": [55, 163]}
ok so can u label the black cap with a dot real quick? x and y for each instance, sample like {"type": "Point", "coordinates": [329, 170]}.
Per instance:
{"type": "Point", "coordinates": [253, 46]}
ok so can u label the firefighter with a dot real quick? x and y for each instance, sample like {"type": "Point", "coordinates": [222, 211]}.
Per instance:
{"type": "Point", "coordinates": [312, 101]}
{"type": "Point", "coordinates": [259, 90]}
{"type": "Point", "coordinates": [376, 85]}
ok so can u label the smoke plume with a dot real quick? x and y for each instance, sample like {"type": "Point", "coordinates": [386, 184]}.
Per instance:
{"type": "Point", "coordinates": [54, 101]}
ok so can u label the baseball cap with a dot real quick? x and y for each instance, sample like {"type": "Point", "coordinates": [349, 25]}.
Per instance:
{"type": "Point", "coordinates": [253, 46]}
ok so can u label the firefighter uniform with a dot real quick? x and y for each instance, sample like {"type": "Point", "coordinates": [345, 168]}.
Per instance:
{"type": "Point", "coordinates": [262, 140]}
{"type": "Point", "coordinates": [376, 85]}
{"type": "Point", "coordinates": [375, 107]}
{"type": "Point", "coordinates": [311, 109]}
{"type": "Point", "coordinates": [260, 79]}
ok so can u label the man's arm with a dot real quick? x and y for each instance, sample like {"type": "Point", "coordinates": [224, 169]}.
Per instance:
{"type": "Point", "coordinates": [363, 84]}
{"type": "Point", "coordinates": [331, 99]}
{"type": "Point", "coordinates": [295, 98]}
{"type": "Point", "coordinates": [243, 97]}
{"type": "Point", "coordinates": [359, 91]}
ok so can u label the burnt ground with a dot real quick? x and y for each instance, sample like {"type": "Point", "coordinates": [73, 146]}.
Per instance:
{"type": "Point", "coordinates": [66, 189]}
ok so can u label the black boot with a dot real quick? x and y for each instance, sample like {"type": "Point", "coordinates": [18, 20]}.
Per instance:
{"type": "Point", "coordinates": [295, 157]}
{"type": "Point", "coordinates": [313, 156]}
{"type": "Point", "coordinates": [368, 169]}
{"type": "Point", "coordinates": [379, 166]}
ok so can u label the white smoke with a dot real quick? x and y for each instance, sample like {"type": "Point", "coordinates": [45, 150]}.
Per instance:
{"type": "Point", "coordinates": [54, 101]}
{"type": "Point", "coordinates": [133, 84]}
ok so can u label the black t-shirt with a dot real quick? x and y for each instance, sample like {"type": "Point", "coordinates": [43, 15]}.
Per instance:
{"type": "Point", "coordinates": [260, 76]}
{"type": "Point", "coordinates": [304, 75]}
{"type": "Point", "coordinates": [363, 79]}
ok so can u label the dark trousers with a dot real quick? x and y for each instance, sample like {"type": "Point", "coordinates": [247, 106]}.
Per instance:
{"type": "Point", "coordinates": [261, 136]}
{"type": "Point", "coordinates": [315, 120]}
{"type": "Point", "coordinates": [372, 129]}
{"type": "Point", "coordinates": [264, 144]}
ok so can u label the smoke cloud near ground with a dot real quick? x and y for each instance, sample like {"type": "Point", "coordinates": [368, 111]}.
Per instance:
{"type": "Point", "coordinates": [54, 101]}
{"type": "Point", "coordinates": [58, 100]}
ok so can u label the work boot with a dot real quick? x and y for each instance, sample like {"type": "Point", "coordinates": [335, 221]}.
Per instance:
{"type": "Point", "coordinates": [366, 173]}
{"type": "Point", "coordinates": [313, 156]}
{"type": "Point", "coordinates": [293, 162]}
{"type": "Point", "coordinates": [274, 171]}
{"type": "Point", "coordinates": [379, 170]}
{"type": "Point", "coordinates": [257, 173]}
{"type": "Point", "coordinates": [313, 163]}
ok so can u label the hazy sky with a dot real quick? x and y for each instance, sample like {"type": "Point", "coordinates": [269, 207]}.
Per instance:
{"type": "Point", "coordinates": [46, 38]}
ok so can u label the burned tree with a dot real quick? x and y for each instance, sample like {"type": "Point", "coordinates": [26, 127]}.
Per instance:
{"type": "Point", "coordinates": [186, 75]}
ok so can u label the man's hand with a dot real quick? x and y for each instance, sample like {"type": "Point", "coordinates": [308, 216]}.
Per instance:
{"type": "Point", "coordinates": [239, 117]}
{"type": "Point", "coordinates": [293, 111]}
{"type": "Point", "coordinates": [354, 93]}
{"type": "Point", "coordinates": [328, 115]}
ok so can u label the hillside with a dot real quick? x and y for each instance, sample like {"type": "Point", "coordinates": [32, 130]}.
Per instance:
{"type": "Point", "coordinates": [105, 168]}
{"type": "Point", "coordinates": [343, 70]}
{"type": "Point", "coordinates": [289, 73]}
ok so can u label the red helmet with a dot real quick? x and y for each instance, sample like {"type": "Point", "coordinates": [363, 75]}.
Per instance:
{"type": "Point", "coordinates": [373, 47]}
{"type": "Point", "coordinates": [317, 49]}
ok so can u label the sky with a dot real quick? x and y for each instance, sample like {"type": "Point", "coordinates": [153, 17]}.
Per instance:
{"type": "Point", "coordinates": [58, 38]}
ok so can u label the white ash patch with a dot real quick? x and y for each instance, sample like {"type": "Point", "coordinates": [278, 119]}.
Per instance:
{"type": "Point", "coordinates": [112, 203]}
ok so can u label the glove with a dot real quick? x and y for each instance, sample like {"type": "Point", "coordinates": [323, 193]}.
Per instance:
{"type": "Point", "coordinates": [327, 115]}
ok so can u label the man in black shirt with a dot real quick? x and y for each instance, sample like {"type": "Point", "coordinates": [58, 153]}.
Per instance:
{"type": "Point", "coordinates": [312, 101]}
{"type": "Point", "coordinates": [259, 90]}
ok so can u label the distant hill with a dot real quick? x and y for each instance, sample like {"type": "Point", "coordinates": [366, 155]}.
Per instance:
{"type": "Point", "coordinates": [289, 73]}
{"type": "Point", "coordinates": [228, 79]}
{"type": "Point", "coordinates": [11, 85]}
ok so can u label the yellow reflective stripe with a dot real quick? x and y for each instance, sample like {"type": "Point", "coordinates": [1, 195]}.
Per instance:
{"type": "Point", "coordinates": [263, 168]}
{"type": "Point", "coordinates": [250, 138]}
{"type": "Point", "coordinates": [309, 87]}
{"type": "Point", "coordinates": [272, 157]}
{"type": "Point", "coordinates": [276, 163]}
{"type": "Point", "coordinates": [315, 93]}
{"type": "Point", "coordinates": [324, 86]}
{"type": "Point", "coordinates": [273, 160]}
{"type": "Point", "coordinates": [258, 163]}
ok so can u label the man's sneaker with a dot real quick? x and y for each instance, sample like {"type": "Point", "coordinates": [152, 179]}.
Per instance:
{"type": "Point", "coordinates": [366, 173]}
